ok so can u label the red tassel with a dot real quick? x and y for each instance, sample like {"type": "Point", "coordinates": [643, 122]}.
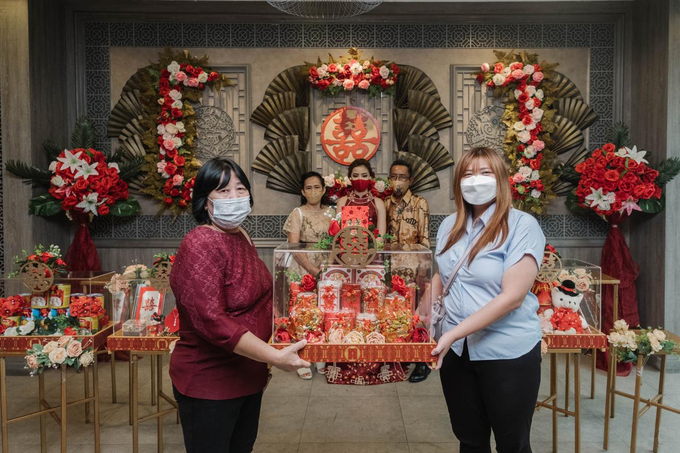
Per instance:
{"type": "Point", "coordinates": [617, 262]}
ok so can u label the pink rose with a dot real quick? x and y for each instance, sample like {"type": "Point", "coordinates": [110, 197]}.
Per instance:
{"type": "Point", "coordinates": [180, 76]}
{"type": "Point", "coordinates": [348, 84]}
{"type": "Point", "coordinates": [169, 144]}
{"type": "Point", "coordinates": [193, 82]}
{"type": "Point", "coordinates": [161, 166]}
{"type": "Point", "coordinates": [63, 341]}
{"type": "Point", "coordinates": [538, 145]}
{"type": "Point", "coordinates": [57, 356]}
{"type": "Point", "coordinates": [486, 67]}
{"type": "Point", "coordinates": [518, 74]}
{"type": "Point", "coordinates": [519, 177]}
{"type": "Point", "coordinates": [364, 84]}
{"type": "Point", "coordinates": [74, 349]}
{"type": "Point", "coordinates": [32, 362]}
{"type": "Point", "coordinates": [177, 180]}
{"type": "Point", "coordinates": [332, 67]}
{"type": "Point", "coordinates": [538, 76]}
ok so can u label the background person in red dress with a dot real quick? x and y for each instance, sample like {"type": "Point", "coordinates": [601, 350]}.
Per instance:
{"type": "Point", "coordinates": [224, 298]}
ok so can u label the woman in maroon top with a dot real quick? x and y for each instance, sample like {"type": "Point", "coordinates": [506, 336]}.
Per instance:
{"type": "Point", "coordinates": [224, 297]}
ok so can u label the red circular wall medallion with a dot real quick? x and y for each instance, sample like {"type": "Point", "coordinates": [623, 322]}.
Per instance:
{"type": "Point", "coordinates": [350, 133]}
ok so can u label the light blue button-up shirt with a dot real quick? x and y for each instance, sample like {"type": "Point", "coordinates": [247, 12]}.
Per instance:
{"type": "Point", "coordinates": [520, 330]}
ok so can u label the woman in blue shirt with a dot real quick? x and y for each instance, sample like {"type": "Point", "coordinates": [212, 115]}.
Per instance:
{"type": "Point", "coordinates": [491, 377]}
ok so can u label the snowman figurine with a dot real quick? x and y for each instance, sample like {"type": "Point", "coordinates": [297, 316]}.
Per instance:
{"type": "Point", "coordinates": [565, 317]}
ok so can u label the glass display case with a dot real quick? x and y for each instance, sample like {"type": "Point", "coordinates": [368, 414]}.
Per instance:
{"type": "Point", "coordinates": [40, 301]}
{"type": "Point", "coordinates": [378, 311]}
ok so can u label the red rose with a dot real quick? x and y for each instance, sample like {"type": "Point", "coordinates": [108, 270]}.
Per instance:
{"type": "Point", "coordinates": [69, 203]}
{"type": "Point", "coordinates": [611, 175]}
{"type": "Point", "coordinates": [171, 153]}
{"type": "Point", "coordinates": [523, 98]}
{"type": "Point", "coordinates": [174, 192]}
{"type": "Point", "coordinates": [308, 282]}
{"type": "Point", "coordinates": [420, 335]}
{"type": "Point", "coordinates": [313, 72]}
{"type": "Point", "coordinates": [334, 228]}
{"type": "Point", "coordinates": [182, 203]}
{"type": "Point", "coordinates": [650, 175]}
{"type": "Point", "coordinates": [170, 169]}
{"type": "Point", "coordinates": [177, 113]}
{"type": "Point", "coordinates": [608, 148]}
{"type": "Point", "coordinates": [282, 336]}
{"type": "Point", "coordinates": [580, 168]}
{"type": "Point", "coordinates": [399, 285]}
{"type": "Point", "coordinates": [168, 200]}
{"type": "Point", "coordinates": [164, 83]}
{"type": "Point", "coordinates": [179, 161]}
{"type": "Point", "coordinates": [498, 68]}
{"type": "Point", "coordinates": [649, 190]}
{"type": "Point", "coordinates": [103, 210]}
{"type": "Point", "coordinates": [535, 164]}
{"type": "Point", "coordinates": [480, 78]}
{"type": "Point", "coordinates": [165, 73]}
{"type": "Point", "coordinates": [80, 185]}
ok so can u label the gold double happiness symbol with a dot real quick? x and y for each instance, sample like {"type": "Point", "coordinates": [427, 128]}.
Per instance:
{"type": "Point", "coordinates": [36, 276]}
{"type": "Point", "coordinates": [160, 276]}
{"type": "Point", "coordinates": [354, 247]}
{"type": "Point", "coordinates": [550, 269]}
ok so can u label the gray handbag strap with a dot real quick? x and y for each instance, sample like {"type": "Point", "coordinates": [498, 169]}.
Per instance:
{"type": "Point", "coordinates": [460, 263]}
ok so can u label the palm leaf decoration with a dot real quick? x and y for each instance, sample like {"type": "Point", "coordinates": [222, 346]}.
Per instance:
{"type": "Point", "coordinates": [52, 150]}
{"type": "Point", "coordinates": [30, 174]}
{"type": "Point", "coordinates": [619, 135]}
{"type": "Point", "coordinates": [83, 135]}
{"type": "Point", "coordinates": [668, 169]}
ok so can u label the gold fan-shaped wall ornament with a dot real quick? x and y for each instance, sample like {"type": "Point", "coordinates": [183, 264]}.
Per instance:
{"type": "Point", "coordinates": [407, 122]}
{"type": "Point", "coordinates": [285, 177]}
{"type": "Point", "coordinates": [274, 152]}
{"type": "Point", "coordinates": [431, 108]}
{"type": "Point", "coordinates": [566, 135]}
{"type": "Point", "coordinates": [564, 87]}
{"type": "Point", "coordinates": [412, 79]}
{"type": "Point", "coordinates": [424, 176]}
{"type": "Point", "coordinates": [577, 111]}
{"type": "Point", "coordinates": [292, 79]}
{"type": "Point", "coordinates": [271, 107]}
{"type": "Point", "coordinates": [432, 151]}
{"type": "Point", "coordinates": [127, 108]}
{"type": "Point", "coordinates": [291, 122]}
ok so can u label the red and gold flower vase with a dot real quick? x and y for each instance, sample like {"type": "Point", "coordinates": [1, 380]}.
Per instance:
{"type": "Point", "coordinates": [373, 298]}
{"type": "Point", "coordinates": [60, 296]}
{"type": "Point", "coordinates": [329, 295]}
{"type": "Point", "coordinates": [90, 323]}
{"type": "Point", "coordinates": [350, 297]}
{"type": "Point", "coordinates": [10, 321]}
{"type": "Point", "coordinates": [39, 300]}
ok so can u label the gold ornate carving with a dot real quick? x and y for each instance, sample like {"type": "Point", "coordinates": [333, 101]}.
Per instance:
{"type": "Point", "coordinates": [160, 276]}
{"type": "Point", "coordinates": [354, 246]}
{"type": "Point", "coordinates": [36, 276]}
{"type": "Point", "coordinates": [550, 269]}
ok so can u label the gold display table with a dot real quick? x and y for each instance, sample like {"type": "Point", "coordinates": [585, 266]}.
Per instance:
{"type": "Point", "coordinates": [16, 347]}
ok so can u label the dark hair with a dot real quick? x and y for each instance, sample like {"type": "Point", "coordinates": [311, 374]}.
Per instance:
{"type": "Point", "coordinates": [209, 178]}
{"type": "Point", "coordinates": [304, 178]}
{"type": "Point", "coordinates": [401, 163]}
{"type": "Point", "coordinates": [360, 163]}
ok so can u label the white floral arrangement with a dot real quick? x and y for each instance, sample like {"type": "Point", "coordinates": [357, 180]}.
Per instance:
{"type": "Point", "coordinates": [645, 342]}
{"type": "Point", "coordinates": [135, 273]}
{"type": "Point", "coordinates": [66, 350]}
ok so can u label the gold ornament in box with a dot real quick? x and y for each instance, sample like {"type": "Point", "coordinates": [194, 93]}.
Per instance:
{"type": "Point", "coordinates": [354, 246]}
{"type": "Point", "coordinates": [36, 276]}
{"type": "Point", "coordinates": [160, 276]}
{"type": "Point", "coordinates": [550, 269]}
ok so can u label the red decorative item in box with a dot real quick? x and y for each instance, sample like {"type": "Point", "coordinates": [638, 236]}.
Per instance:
{"type": "Point", "coordinates": [355, 215]}
{"type": "Point", "coordinates": [338, 273]}
{"type": "Point", "coordinates": [154, 330]}
{"type": "Point", "coordinates": [373, 298]}
{"type": "Point", "coordinates": [347, 320]}
{"type": "Point", "coordinates": [395, 301]}
{"type": "Point", "coordinates": [367, 323]}
{"type": "Point", "coordinates": [295, 289]}
{"type": "Point", "coordinates": [330, 318]}
{"type": "Point", "coordinates": [350, 297]}
{"type": "Point", "coordinates": [305, 319]}
{"type": "Point", "coordinates": [329, 295]}
{"type": "Point", "coordinates": [306, 300]}
{"type": "Point", "coordinates": [371, 275]}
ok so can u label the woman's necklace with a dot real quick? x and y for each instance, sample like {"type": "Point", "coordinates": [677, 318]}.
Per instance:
{"type": "Point", "coordinates": [360, 199]}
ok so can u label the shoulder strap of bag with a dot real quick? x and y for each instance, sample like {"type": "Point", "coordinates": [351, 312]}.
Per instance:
{"type": "Point", "coordinates": [459, 264]}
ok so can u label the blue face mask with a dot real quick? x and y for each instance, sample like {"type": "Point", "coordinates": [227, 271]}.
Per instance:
{"type": "Point", "coordinates": [229, 213]}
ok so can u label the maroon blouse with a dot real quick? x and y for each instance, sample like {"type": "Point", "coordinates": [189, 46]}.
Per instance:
{"type": "Point", "coordinates": [223, 290]}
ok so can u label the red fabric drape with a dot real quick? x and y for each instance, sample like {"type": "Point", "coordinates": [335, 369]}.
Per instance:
{"type": "Point", "coordinates": [617, 262]}
{"type": "Point", "coordinates": [82, 254]}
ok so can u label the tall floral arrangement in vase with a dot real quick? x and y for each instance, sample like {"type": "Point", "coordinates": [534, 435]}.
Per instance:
{"type": "Point", "coordinates": [615, 181]}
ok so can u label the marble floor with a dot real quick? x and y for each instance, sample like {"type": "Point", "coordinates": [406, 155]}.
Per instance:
{"type": "Point", "coordinates": [312, 416]}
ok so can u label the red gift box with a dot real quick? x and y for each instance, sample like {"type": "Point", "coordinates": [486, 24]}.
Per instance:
{"type": "Point", "coordinates": [350, 297]}
{"type": "Point", "coordinates": [355, 215]}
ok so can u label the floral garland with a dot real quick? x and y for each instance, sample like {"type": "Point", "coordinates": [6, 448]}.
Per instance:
{"type": "Point", "coordinates": [51, 257]}
{"type": "Point", "coordinates": [332, 78]}
{"type": "Point", "coordinates": [176, 81]}
{"type": "Point", "coordinates": [630, 343]}
{"type": "Point", "coordinates": [528, 115]}
{"type": "Point", "coordinates": [64, 351]}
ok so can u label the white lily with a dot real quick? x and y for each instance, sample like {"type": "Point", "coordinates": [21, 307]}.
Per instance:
{"type": "Point", "coordinates": [629, 206]}
{"type": "Point", "coordinates": [634, 154]}
{"type": "Point", "coordinates": [71, 161]}
{"type": "Point", "coordinates": [85, 170]}
{"type": "Point", "coordinates": [601, 200]}
{"type": "Point", "coordinates": [90, 203]}
{"type": "Point", "coordinates": [114, 165]}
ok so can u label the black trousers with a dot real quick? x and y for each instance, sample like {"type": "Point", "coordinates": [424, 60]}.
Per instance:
{"type": "Point", "coordinates": [498, 395]}
{"type": "Point", "coordinates": [220, 426]}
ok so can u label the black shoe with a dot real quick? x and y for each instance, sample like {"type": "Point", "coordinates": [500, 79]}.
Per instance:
{"type": "Point", "coordinates": [420, 373]}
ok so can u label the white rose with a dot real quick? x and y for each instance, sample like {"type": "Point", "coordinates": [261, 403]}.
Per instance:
{"type": "Point", "coordinates": [535, 175]}
{"type": "Point", "coordinates": [322, 71]}
{"type": "Point", "coordinates": [356, 68]}
{"type": "Point", "coordinates": [530, 151]}
{"type": "Point", "coordinates": [581, 272]}
{"type": "Point", "coordinates": [525, 171]}
{"type": "Point", "coordinates": [621, 325]}
{"type": "Point", "coordinates": [528, 69]}
{"type": "Point", "coordinates": [337, 82]}
{"type": "Point", "coordinates": [176, 95]}
{"type": "Point", "coordinates": [539, 94]}
{"type": "Point", "coordinates": [202, 77]}
{"type": "Point", "coordinates": [329, 181]}
{"type": "Point", "coordinates": [536, 193]}
{"type": "Point", "coordinates": [524, 136]}
{"type": "Point", "coordinates": [506, 72]}
{"type": "Point", "coordinates": [582, 285]}
{"type": "Point", "coordinates": [58, 356]}
{"type": "Point", "coordinates": [531, 127]}
{"type": "Point", "coordinates": [529, 104]}
{"type": "Point", "coordinates": [537, 114]}
{"type": "Point", "coordinates": [177, 104]}
{"type": "Point", "coordinates": [518, 126]}
{"type": "Point", "coordinates": [173, 67]}
{"type": "Point", "coordinates": [486, 67]}
{"type": "Point", "coordinates": [49, 347]}
{"type": "Point", "coordinates": [531, 90]}
{"type": "Point", "coordinates": [654, 343]}
{"type": "Point", "coordinates": [114, 165]}
{"type": "Point", "coordinates": [53, 166]}
{"type": "Point", "coordinates": [518, 93]}
{"type": "Point", "coordinates": [615, 338]}
{"type": "Point", "coordinates": [168, 136]}
{"type": "Point", "coordinates": [161, 101]}
{"type": "Point", "coordinates": [384, 72]}
{"type": "Point", "coordinates": [86, 358]}
{"type": "Point", "coordinates": [27, 328]}
{"type": "Point", "coordinates": [171, 129]}
{"type": "Point", "coordinates": [160, 129]}
{"type": "Point", "coordinates": [11, 332]}
{"type": "Point", "coordinates": [58, 181]}
{"type": "Point", "coordinates": [177, 141]}
{"type": "Point", "coordinates": [498, 79]}
{"type": "Point", "coordinates": [380, 186]}
{"type": "Point", "coordinates": [366, 64]}
{"type": "Point", "coordinates": [180, 126]}
{"type": "Point", "coordinates": [660, 335]}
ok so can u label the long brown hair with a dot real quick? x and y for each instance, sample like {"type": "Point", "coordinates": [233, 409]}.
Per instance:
{"type": "Point", "coordinates": [498, 225]}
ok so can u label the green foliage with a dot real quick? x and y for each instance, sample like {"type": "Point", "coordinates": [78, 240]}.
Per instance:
{"type": "Point", "coordinates": [668, 169]}
{"type": "Point", "coordinates": [652, 206]}
{"type": "Point", "coordinates": [52, 150]}
{"type": "Point", "coordinates": [619, 135]}
{"type": "Point", "coordinates": [44, 205]}
{"type": "Point", "coordinates": [125, 208]}
{"type": "Point", "coordinates": [32, 175]}
{"type": "Point", "coordinates": [83, 135]}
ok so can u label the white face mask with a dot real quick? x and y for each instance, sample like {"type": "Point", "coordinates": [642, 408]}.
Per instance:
{"type": "Point", "coordinates": [478, 189]}
{"type": "Point", "coordinates": [229, 213]}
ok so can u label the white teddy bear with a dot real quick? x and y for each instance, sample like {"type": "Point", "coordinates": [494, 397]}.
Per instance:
{"type": "Point", "coordinates": [564, 317]}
